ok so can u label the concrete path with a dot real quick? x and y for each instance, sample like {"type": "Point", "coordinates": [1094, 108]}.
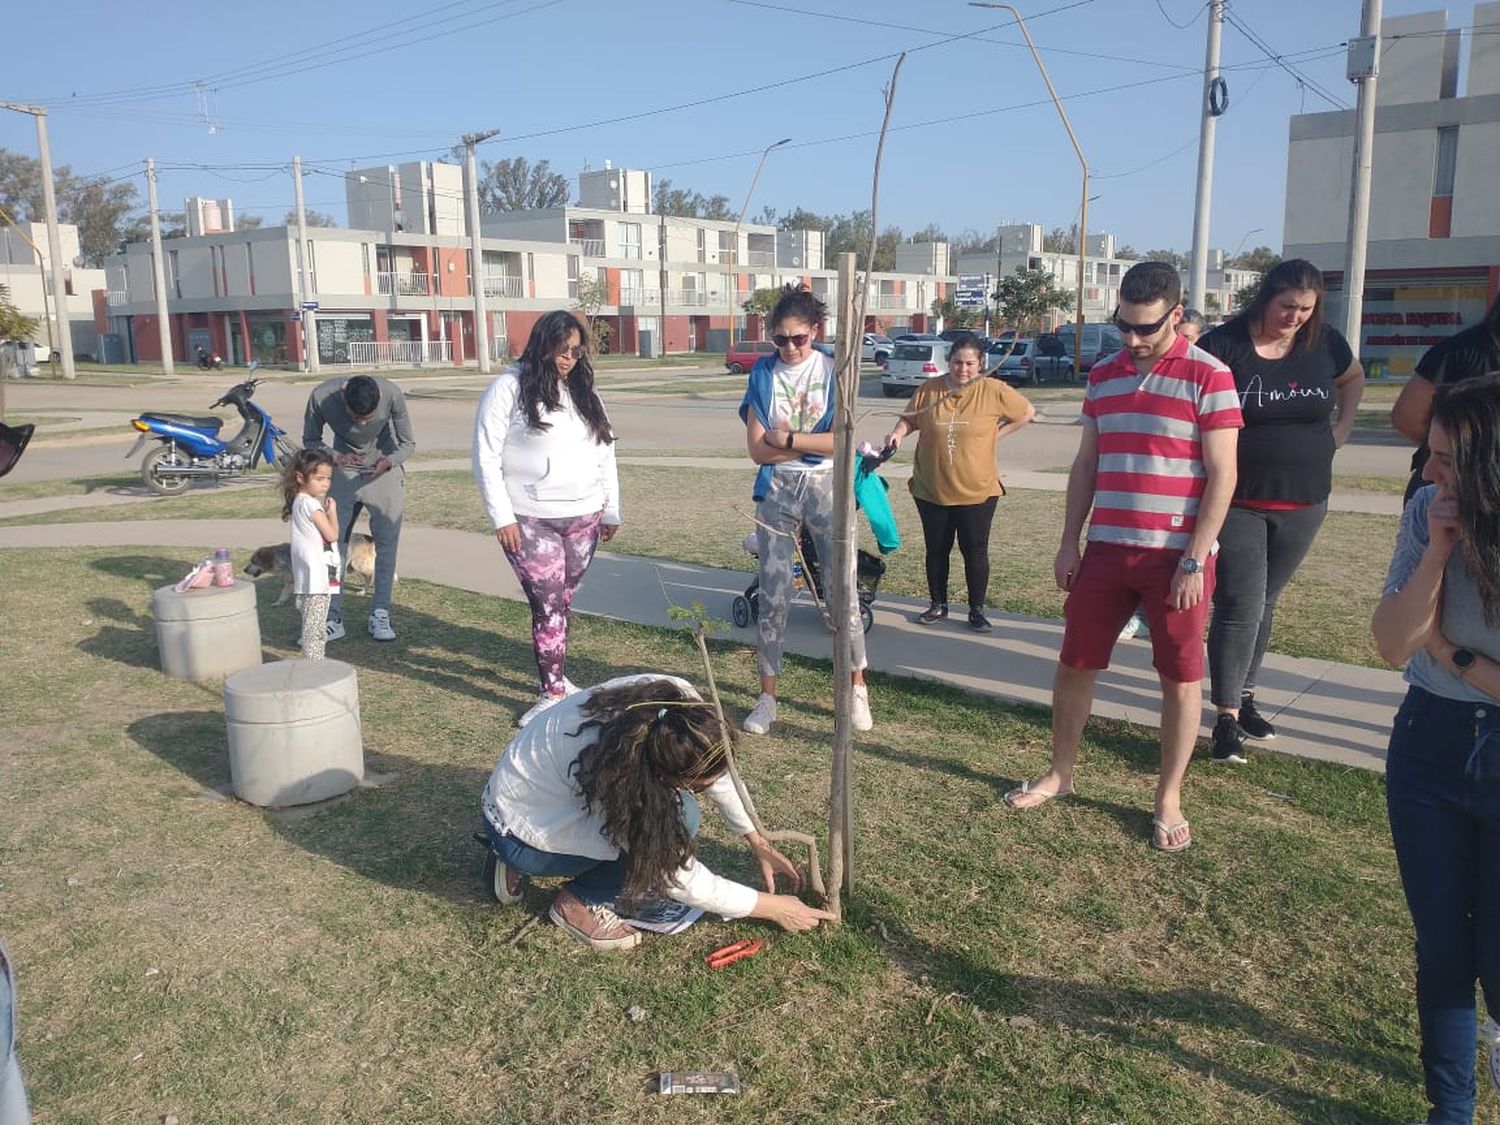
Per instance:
{"type": "Point", "coordinates": [1327, 711]}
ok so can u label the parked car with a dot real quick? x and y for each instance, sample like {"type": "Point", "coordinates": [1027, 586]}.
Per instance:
{"type": "Point", "coordinates": [951, 334]}
{"type": "Point", "coordinates": [827, 347]}
{"type": "Point", "coordinates": [915, 337]}
{"type": "Point", "coordinates": [912, 363]}
{"type": "Point", "coordinates": [875, 348]}
{"type": "Point", "coordinates": [1099, 342]}
{"type": "Point", "coordinates": [741, 357]}
{"type": "Point", "coordinates": [1030, 360]}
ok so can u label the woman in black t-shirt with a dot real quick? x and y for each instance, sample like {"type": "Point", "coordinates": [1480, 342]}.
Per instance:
{"type": "Point", "coordinates": [1292, 371]}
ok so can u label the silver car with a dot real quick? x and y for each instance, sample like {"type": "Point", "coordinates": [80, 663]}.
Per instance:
{"type": "Point", "coordinates": [912, 364]}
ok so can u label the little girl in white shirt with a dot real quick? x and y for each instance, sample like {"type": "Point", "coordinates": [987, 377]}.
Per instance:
{"type": "Point", "coordinates": [315, 530]}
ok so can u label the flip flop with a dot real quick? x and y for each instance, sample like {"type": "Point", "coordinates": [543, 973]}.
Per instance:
{"type": "Point", "coordinates": [1026, 790]}
{"type": "Point", "coordinates": [1160, 825]}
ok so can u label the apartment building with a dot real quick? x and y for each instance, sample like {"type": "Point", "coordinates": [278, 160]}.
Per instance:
{"type": "Point", "coordinates": [1433, 258]}
{"type": "Point", "coordinates": [25, 271]}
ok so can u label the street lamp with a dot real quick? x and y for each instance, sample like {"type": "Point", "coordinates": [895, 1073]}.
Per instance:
{"type": "Point", "coordinates": [1083, 208]}
{"type": "Point", "coordinates": [54, 239]}
{"type": "Point", "coordinates": [1243, 237]}
{"type": "Point", "coordinates": [734, 241]}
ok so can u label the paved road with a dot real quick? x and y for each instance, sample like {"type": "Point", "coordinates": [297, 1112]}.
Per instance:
{"type": "Point", "coordinates": [443, 416]}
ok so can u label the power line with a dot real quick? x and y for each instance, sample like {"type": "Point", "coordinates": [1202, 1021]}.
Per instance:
{"type": "Point", "coordinates": [1280, 60]}
{"type": "Point", "coordinates": [1180, 26]}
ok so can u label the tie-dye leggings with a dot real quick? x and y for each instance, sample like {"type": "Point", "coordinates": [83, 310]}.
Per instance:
{"type": "Point", "coordinates": [551, 562]}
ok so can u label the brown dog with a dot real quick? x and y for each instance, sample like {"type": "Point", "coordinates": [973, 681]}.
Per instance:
{"type": "Point", "coordinates": [277, 559]}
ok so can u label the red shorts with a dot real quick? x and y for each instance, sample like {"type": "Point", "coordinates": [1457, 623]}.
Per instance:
{"type": "Point", "coordinates": [1112, 580]}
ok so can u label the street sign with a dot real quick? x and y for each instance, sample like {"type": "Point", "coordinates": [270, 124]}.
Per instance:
{"type": "Point", "coordinates": [310, 306]}
{"type": "Point", "coordinates": [972, 290]}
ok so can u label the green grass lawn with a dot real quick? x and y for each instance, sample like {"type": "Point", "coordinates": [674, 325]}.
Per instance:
{"type": "Point", "coordinates": [185, 956]}
{"type": "Point", "coordinates": [702, 515]}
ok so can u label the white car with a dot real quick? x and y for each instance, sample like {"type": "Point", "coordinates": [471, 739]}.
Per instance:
{"type": "Point", "coordinates": [912, 364]}
{"type": "Point", "coordinates": [875, 348]}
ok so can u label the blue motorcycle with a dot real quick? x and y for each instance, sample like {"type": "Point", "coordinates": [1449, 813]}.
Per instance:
{"type": "Point", "coordinates": [190, 447]}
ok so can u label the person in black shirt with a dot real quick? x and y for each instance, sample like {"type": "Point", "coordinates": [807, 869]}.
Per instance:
{"type": "Point", "coordinates": [1465, 355]}
{"type": "Point", "coordinates": [1292, 371]}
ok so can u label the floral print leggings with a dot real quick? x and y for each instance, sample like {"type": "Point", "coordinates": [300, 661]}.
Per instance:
{"type": "Point", "coordinates": [550, 563]}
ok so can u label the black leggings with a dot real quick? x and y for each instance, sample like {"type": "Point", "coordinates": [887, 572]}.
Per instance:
{"type": "Point", "coordinates": [970, 524]}
{"type": "Point", "coordinates": [1259, 551]}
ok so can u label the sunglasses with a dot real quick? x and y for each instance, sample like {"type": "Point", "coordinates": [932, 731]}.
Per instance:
{"type": "Point", "coordinates": [575, 352]}
{"type": "Point", "coordinates": [798, 341]}
{"type": "Point", "coordinates": [1140, 330]}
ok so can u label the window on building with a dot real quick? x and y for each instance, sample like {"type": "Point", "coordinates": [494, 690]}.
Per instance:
{"type": "Point", "coordinates": [630, 240]}
{"type": "Point", "coordinates": [1447, 161]}
{"type": "Point", "coordinates": [702, 245]}
{"type": "Point", "coordinates": [250, 265]}
{"type": "Point", "coordinates": [174, 274]}
{"type": "Point", "coordinates": [726, 242]}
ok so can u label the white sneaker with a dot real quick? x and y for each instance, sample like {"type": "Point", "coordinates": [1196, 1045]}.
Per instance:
{"type": "Point", "coordinates": [380, 625]}
{"type": "Point", "coordinates": [859, 710]}
{"type": "Point", "coordinates": [335, 629]}
{"type": "Point", "coordinates": [542, 703]}
{"type": "Point", "coordinates": [761, 716]}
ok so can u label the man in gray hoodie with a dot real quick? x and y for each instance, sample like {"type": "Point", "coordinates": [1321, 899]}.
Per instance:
{"type": "Point", "coordinates": [372, 438]}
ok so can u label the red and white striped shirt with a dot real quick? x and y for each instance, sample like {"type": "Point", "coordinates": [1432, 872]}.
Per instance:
{"type": "Point", "coordinates": [1150, 474]}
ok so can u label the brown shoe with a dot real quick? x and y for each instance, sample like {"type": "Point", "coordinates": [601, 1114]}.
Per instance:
{"type": "Point", "coordinates": [596, 926]}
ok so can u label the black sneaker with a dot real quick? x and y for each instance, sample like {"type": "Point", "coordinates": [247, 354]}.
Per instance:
{"type": "Point", "coordinates": [1251, 722]}
{"type": "Point", "coordinates": [1229, 743]}
{"type": "Point", "coordinates": [979, 622]}
{"type": "Point", "coordinates": [935, 612]}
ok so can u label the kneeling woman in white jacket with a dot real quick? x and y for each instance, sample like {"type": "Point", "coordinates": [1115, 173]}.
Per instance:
{"type": "Point", "coordinates": [544, 458]}
{"type": "Point", "coordinates": [602, 790]}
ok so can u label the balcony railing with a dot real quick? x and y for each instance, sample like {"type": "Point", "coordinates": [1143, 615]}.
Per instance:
{"type": "Point", "coordinates": [504, 285]}
{"type": "Point", "coordinates": [695, 298]}
{"type": "Point", "coordinates": [760, 258]}
{"type": "Point", "coordinates": [399, 353]}
{"type": "Point", "coordinates": [640, 297]}
{"type": "Point", "coordinates": [891, 301]}
{"type": "Point", "coordinates": [404, 284]}
{"type": "Point", "coordinates": [588, 247]}
{"type": "Point", "coordinates": [117, 297]}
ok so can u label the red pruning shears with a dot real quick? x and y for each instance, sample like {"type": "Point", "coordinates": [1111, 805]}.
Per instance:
{"type": "Point", "coordinates": [719, 958]}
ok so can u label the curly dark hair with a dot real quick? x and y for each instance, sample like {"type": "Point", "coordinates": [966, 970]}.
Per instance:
{"type": "Point", "coordinates": [296, 470]}
{"type": "Point", "coordinates": [800, 302]}
{"type": "Point", "coordinates": [1469, 413]}
{"type": "Point", "coordinates": [538, 375]}
{"type": "Point", "coordinates": [654, 739]}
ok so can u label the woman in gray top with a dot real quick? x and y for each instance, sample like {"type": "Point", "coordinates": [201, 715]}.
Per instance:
{"type": "Point", "coordinates": [1441, 616]}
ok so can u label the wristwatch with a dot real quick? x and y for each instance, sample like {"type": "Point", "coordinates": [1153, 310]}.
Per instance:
{"type": "Point", "coordinates": [1462, 661]}
{"type": "Point", "coordinates": [1190, 565]}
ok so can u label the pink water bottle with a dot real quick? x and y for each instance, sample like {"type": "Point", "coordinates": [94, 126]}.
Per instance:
{"type": "Point", "coordinates": [223, 568]}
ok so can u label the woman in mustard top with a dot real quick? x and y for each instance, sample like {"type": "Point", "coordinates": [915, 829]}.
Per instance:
{"type": "Point", "coordinates": [955, 475]}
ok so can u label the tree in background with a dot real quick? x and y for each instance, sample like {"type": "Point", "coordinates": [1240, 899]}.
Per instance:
{"type": "Point", "coordinates": [688, 204]}
{"type": "Point", "coordinates": [514, 184]}
{"type": "Point", "coordinates": [1127, 253]}
{"type": "Point", "coordinates": [251, 222]}
{"type": "Point", "coordinates": [13, 325]}
{"type": "Point", "coordinates": [1244, 295]}
{"type": "Point", "coordinates": [593, 292]}
{"type": "Point", "coordinates": [1059, 240]}
{"type": "Point", "coordinates": [99, 207]}
{"type": "Point", "coordinates": [930, 233]}
{"type": "Point", "coordinates": [970, 241]}
{"type": "Point", "coordinates": [763, 302]}
{"type": "Point", "coordinates": [1027, 298]}
{"type": "Point", "coordinates": [1261, 259]}
{"type": "Point", "coordinates": [1171, 257]}
{"type": "Point", "coordinates": [955, 316]}
{"type": "Point", "coordinates": [843, 234]}
{"type": "Point", "coordinates": [313, 218]}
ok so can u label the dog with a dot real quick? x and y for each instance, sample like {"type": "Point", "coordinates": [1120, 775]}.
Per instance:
{"type": "Point", "coordinates": [277, 559]}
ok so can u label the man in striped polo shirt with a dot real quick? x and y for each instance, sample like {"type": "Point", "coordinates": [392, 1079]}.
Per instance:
{"type": "Point", "coordinates": [1156, 464]}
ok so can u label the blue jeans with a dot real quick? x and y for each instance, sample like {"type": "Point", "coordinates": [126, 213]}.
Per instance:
{"type": "Point", "coordinates": [12, 1094]}
{"type": "Point", "coordinates": [1443, 797]}
{"type": "Point", "coordinates": [595, 881]}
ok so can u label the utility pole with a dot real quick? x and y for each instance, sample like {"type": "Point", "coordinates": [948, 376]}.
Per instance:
{"type": "Point", "coordinates": [661, 254]}
{"type": "Point", "coordinates": [309, 322]}
{"type": "Point", "coordinates": [163, 324]}
{"type": "Point", "coordinates": [1363, 69]}
{"type": "Point", "coordinates": [476, 248]}
{"type": "Point", "coordinates": [1212, 107]}
{"type": "Point", "coordinates": [54, 239]}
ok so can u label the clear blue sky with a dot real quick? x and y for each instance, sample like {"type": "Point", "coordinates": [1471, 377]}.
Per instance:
{"type": "Point", "coordinates": [974, 140]}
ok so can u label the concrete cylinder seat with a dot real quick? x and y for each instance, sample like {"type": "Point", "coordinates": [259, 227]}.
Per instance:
{"type": "Point", "coordinates": [294, 732]}
{"type": "Point", "coordinates": [208, 633]}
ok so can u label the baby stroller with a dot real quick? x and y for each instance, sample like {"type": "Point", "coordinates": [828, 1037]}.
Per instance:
{"type": "Point", "coordinates": [807, 573]}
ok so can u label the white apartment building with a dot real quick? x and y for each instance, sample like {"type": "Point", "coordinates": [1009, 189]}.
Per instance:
{"type": "Point", "coordinates": [1433, 259]}
{"type": "Point", "coordinates": [25, 271]}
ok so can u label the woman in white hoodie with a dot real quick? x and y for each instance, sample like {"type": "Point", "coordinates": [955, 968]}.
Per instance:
{"type": "Point", "coordinates": [544, 459]}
